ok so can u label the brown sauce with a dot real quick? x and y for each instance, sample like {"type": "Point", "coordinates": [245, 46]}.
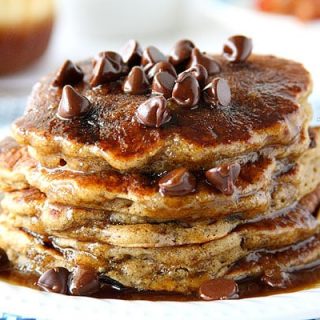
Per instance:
{"type": "Point", "coordinates": [21, 45]}
{"type": "Point", "coordinates": [299, 280]}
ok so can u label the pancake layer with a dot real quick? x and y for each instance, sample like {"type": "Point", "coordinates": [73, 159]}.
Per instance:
{"type": "Point", "coordinates": [264, 184]}
{"type": "Point", "coordinates": [268, 109]}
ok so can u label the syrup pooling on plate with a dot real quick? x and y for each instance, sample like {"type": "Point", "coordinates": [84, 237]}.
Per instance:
{"type": "Point", "coordinates": [299, 280]}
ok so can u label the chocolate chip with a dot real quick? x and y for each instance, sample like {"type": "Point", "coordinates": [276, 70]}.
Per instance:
{"type": "Point", "coordinates": [275, 278]}
{"type": "Point", "coordinates": [200, 73]}
{"type": "Point", "coordinates": [131, 53]}
{"type": "Point", "coordinates": [178, 182]}
{"type": "Point", "coordinates": [219, 289]}
{"type": "Point", "coordinates": [209, 63]}
{"type": "Point", "coordinates": [108, 67]}
{"type": "Point", "coordinates": [181, 52]}
{"type": "Point", "coordinates": [237, 49]}
{"type": "Point", "coordinates": [162, 66]}
{"type": "Point", "coordinates": [186, 91]}
{"type": "Point", "coordinates": [114, 284]}
{"type": "Point", "coordinates": [153, 112]}
{"type": "Point", "coordinates": [72, 104]}
{"type": "Point", "coordinates": [312, 135]}
{"type": "Point", "coordinates": [163, 83]}
{"type": "Point", "coordinates": [69, 73]}
{"type": "Point", "coordinates": [217, 92]}
{"type": "Point", "coordinates": [136, 82]}
{"type": "Point", "coordinates": [224, 177]}
{"type": "Point", "coordinates": [54, 280]}
{"type": "Point", "coordinates": [150, 56]}
{"type": "Point", "coordinates": [4, 261]}
{"type": "Point", "coordinates": [83, 281]}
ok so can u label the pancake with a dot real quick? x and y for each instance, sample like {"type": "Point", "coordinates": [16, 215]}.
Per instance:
{"type": "Point", "coordinates": [101, 229]}
{"type": "Point", "coordinates": [88, 184]}
{"type": "Point", "coordinates": [88, 226]}
{"type": "Point", "coordinates": [268, 112]}
{"type": "Point", "coordinates": [135, 194]}
{"type": "Point", "coordinates": [179, 268]}
{"type": "Point", "coordinates": [10, 159]}
{"type": "Point", "coordinates": [263, 185]}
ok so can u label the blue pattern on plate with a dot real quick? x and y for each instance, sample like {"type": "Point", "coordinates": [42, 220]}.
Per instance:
{"type": "Point", "coordinates": [7, 316]}
{"type": "Point", "coordinates": [10, 109]}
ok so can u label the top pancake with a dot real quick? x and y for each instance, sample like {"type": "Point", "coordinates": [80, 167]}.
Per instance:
{"type": "Point", "coordinates": [268, 108]}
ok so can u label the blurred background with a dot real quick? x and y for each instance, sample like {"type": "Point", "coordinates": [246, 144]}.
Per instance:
{"type": "Point", "coordinates": [36, 36]}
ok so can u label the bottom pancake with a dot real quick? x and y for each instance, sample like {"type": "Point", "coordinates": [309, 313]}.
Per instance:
{"type": "Point", "coordinates": [180, 268]}
{"type": "Point", "coordinates": [30, 255]}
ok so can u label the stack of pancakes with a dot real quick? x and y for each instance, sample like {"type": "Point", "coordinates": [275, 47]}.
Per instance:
{"type": "Point", "coordinates": [86, 191]}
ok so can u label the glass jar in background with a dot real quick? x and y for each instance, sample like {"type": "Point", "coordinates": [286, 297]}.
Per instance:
{"type": "Point", "coordinates": [25, 30]}
{"type": "Point", "coordinates": [99, 19]}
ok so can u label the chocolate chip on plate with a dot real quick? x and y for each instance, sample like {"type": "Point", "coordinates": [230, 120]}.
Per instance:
{"type": "Point", "coordinates": [160, 67]}
{"type": "Point", "coordinates": [136, 81]}
{"type": "Point", "coordinates": [131, 53]}
{"type": "Point", "coordinates": [150, 56]}
{"type": "Point", "coordinates": [219, 289]}
{"type": "Point", "coordinates": [217, 92]}
{"type": "Point", "coordinates": [69, 73]}
{"type": "Point", "coordinates": [197, 57]}
{"type": "Point", "coordinates": [275, 277]}
{"type": "Point", "coordinates": [181, 52]}
{"type": "Point", "coordinates": [83, 281]}
{"type": "Point", "coordinates": [224, 177]}
{"type": "Point", "coordinates": [312, 136]}
{"type": "Point", "coordinates": [109, 282]}
{"type": "Point", "coordinates": [200, 73]}
{"type": "Point", "coordinates": [54, 280]}
{"type": "Point", "coordinates": [4, 260]}
{"type": "Point", "coordinates": [108, 67]}
{"type": "Point", "coordinates": [178, 182]}
{"type": "Point", "coordinates": [153, 112]}
{"type": "Point", "coordinates": [186, 91]}
{"type": "Point", "coordinates": [163, 83]}
{"type": "Point", "coordinates": [72, 104]}
{"type": "Point", "coordinates": [237, 48]}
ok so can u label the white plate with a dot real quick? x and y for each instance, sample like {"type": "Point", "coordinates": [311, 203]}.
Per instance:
{"type": "Point", "coordinates": [301, 305]}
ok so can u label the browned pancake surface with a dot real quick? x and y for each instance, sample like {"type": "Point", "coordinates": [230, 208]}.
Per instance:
{"type": "Point", "coordinates": [265, 101]}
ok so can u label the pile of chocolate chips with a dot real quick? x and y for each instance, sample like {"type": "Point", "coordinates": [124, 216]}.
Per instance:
{"type": "Point", "coordinates": [180, 181]}
{"type": "Point", "coordinates": [82, 281]}
{"type": "Point", "coordinates": [180, 78]}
